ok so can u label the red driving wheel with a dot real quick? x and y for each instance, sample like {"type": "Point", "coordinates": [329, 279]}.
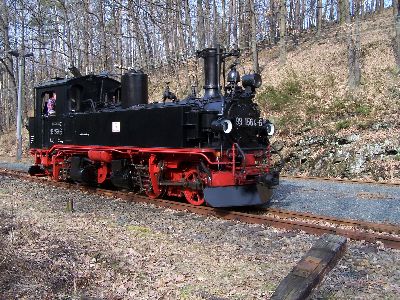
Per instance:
{"type": "Point", "coordinates": [195, 197]}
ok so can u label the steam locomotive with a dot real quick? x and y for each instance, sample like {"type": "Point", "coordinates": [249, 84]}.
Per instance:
{"type": "Point", "coordinates": [212, 150]}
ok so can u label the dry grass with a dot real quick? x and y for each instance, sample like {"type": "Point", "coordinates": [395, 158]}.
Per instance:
{"type": "Point", "coordinates": [8, 148]}
{"type": "Point", "coordinates": [115, 250]}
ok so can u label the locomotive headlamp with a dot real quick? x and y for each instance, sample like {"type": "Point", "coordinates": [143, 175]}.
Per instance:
{"type": "Point", "coordinates": [251, 80]}
{"type": "Point", "coordinates": [223, 125]}
{"type": "Point", "coordinates": [270, 128]}
{"type": "Point", "coordinates": [227, 126]}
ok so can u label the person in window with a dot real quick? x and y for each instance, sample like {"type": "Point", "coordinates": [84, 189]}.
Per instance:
{"type": "Point", "coordinates": [51, 104]}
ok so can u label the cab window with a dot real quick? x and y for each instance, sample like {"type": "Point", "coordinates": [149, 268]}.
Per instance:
{"type": "Point", "coordinates": [48, 103]}
{"type": "Point", "coordinates": [75, 98]}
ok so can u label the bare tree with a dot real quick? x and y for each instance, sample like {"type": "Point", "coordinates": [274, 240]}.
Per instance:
{"type": "Point", "coordinates": [207, 22]}
{"type": "Point", "coordinates": [282, 33]}
{"type": "Point", "coordinates": [332, 10]}
{"type": "Point", "coordinates": [303, 14]}
{"type": "Point", "coordinates": [223, 27]}
{"type": "Point", "coordinates": [254, 36]}
{"type": "Point", "coordinates": [354, 49]}
{"type": "Point", "coordinates": [241, 23]}
{"type": "Point", "coordinates": [201, 35]}
{"type": "Point", "coordinates": [381, 5]}
{"type": "Point", "coordinates": [319, 17]}
{"type": "Point", "coordinates": [273, 12]}
{"type": "Point", "coordinates": [216, 26]}
{"type": "Point", "coordinates": [8, 92]}
{"type": "Point", "coordinates": [343, 10]}
{"type": "Point", "coordinates": [188, 25]}
{"type": "Point", "coordinates": [297, 22]}
{"type": "Point", "coordinates": [396, 40]}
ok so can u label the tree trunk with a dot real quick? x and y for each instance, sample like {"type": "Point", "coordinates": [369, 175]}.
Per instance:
{"type": "Point", "coordinates": [311, 17]}
{"type": "Point", "coordinates": [230, 21]}
{"type": "Point", "coordinates": [235, 23]}
{"type": "Point", "coordinates": [396, 40]}
{"type": "Point", "coordinates": [223, 30]}
{"type": "Point", "coordinates": [377, 2]}
{"type": "Point", "coordinates": [7, 61]}
{"type": "Point", "coordinates": [188, 24]}
{"type": "Point", "coordinates": [325, 11]}
{"type": "Point", "coordinates": [103, 38]}
{"type": "Point", "coordinates": [87, 37]}
{"type": "Point", "coordinates": [216, 26]}
{"type": "Point", "coordinates": [303, 13]}
{"type": "Point", "coordinates": [331, 11]}
{"type": "Point", "coordinates": [319, 17]}
{"type": "Point", "coordinates": [181, 33]}
{"type": "Point", "coordinates": [241, 24]}
{"type": "Point", "coordinates": [354, 51]}
{"type": "Point", "coordinates": [381, 5]}
{"type": "Point", "coordinates": [282, 33]}
{"type": "Point", "coordinates": [297, 25]}
{"type": "Point", "coordinates": [273, 21]}
{"type": "Point", "coordinates": [343, 11]}
{"type": "Point", "coordinates": [8, 93]}
{"type": "Point", "coordinates": [207, 23]}
{"type": "Point", "coordinates": [254, 36]}
{"type": "Point", "coordinates": [395, 6]}
{"type": "Point", "coordinates": [361, 8]}
{"type": "Point", "coordinates": [149, 43]}
{"type": "Point", "coordinates": [166, 33]}
{"type": "Point", "coordinates": [201, 37]}
{"type": "Point", "coordinates": [290, 16]}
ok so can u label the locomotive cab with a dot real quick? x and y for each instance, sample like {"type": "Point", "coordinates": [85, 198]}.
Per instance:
{"type": "Point", "coordinates": [80, 95]}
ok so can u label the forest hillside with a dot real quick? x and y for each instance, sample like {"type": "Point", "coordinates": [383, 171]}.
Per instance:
{"type": "Point", "coordinates": [327, 128]}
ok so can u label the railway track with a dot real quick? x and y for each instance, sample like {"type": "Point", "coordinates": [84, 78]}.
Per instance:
{"type": "Point", "coordinates": [379, 227]}
{"type": "Point", "coordinates": [341, 180]}
{"type": "Point", "coordinates": [289, 220]}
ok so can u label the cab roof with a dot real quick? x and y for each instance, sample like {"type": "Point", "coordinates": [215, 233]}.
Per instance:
{"type": "Point", "coordinates": [66, 81]}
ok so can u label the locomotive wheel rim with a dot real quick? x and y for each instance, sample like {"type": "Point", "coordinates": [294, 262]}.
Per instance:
{"type": "Point", "coordinates": [194, 197]}
{"type": "Point", "coordinates": [153, 195]}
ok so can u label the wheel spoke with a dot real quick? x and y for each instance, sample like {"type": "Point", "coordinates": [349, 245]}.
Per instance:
{"type": "Point", "coordinates": [195, 197]}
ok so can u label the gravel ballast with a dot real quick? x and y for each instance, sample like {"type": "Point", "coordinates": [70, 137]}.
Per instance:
{"type": "Point", "coordinates": [111, 249]}
{"type": "Point", "coordinates": [358, 201]}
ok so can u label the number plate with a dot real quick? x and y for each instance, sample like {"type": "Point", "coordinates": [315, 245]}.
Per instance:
{"type": "Point", "coordinates": [249, 122]}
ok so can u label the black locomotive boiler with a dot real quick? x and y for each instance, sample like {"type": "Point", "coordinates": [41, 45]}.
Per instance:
{"type": "Point", "coordinates": [214, 149]}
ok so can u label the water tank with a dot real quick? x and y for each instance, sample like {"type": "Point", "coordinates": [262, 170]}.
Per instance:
{"type": "Point", "coordinates": [134, 88]}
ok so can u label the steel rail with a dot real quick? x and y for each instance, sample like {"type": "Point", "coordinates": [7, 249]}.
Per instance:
{"type": "Point", "coordinates": [373, 237]}
{"type": "Point", "coordinates": [341, 180]}
{"type": "Point", "coordinates": [380, 227]}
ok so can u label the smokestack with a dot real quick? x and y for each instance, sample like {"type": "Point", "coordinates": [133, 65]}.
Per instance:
{"type": "Point", "coordinates": [212, 69]}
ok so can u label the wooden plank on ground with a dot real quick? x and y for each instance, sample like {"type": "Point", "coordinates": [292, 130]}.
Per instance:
{"type": "Point", "coordinates": [311, 269]}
